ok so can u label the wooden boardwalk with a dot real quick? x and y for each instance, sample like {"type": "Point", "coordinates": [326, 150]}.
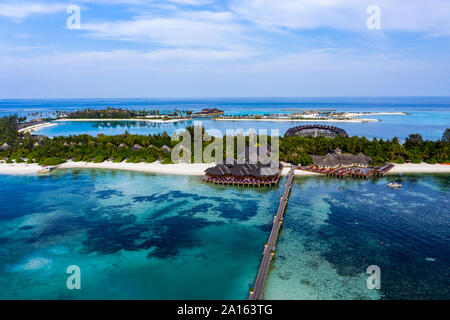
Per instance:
{"type": "Point", "coordinates": [270, 247]}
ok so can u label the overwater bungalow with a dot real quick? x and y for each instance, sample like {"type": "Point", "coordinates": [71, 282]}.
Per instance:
{"type": "Point", "coordinates": [337, 164]}
{"type": "Point", "coordinates": [245, 172]}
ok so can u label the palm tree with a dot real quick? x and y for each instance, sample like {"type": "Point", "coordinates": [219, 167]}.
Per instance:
{"type": "Point", "coordinates": [446, 136]}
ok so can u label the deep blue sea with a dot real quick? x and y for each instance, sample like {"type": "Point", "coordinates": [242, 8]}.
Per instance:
{"type": "Point", "coordinates": [427, 116]}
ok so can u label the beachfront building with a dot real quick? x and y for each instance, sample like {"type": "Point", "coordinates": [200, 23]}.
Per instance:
{"type": "Point", "coordinates": [339, 159]}
{"type": "Point", "coordinates": [245, 174]}
{"type": "Point", "coordinates": [245, 171]}
{"type": "Point", "coordinates": [316, 130]}
{"type": "Point", "coordinates": [337, 164]}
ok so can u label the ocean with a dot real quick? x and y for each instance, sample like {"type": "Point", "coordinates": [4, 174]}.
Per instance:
{"type": "Point", "coordinates": [426, 116]}
{"type": "Point", "coordinates": [145, 236]}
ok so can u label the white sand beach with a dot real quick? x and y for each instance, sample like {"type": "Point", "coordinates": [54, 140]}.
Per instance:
{"type": "Point", "coordinates": [300, 120]}
{"type": "Point", "coordinates": [40, 126]}
{"type": "Point", "coordinates": [37, 127]}
{"type": "Point", "coordinates": [134, 120]}
{"type": "Point", "coordinates": [196, 169]}
{"type": "Point", "coordinates": [156, 167]}
{"type": "Point", "coordinates": [358, 114]}
{"type": "Point", "coordinates": [420, 168]}
{"type": "Point", "coordinates": [19, 168]}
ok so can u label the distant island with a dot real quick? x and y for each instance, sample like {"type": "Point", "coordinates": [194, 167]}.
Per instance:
{"type": "Point", "coordinates": [107, 114]}
{"type": "Point", "coordinates": [325, 115]}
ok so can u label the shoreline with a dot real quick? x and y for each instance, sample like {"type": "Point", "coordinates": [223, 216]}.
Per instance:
{"type": "Point", "coordinates": [196, 169]}
{"type": "Point", "coordinates": [55, 122]}
{"type": "Point", "coordinates": [358, 114]}
{"type": "Point", "coordinates": [37, 127]}
{"type": "Point", "coordinates": [301, 120]}
{"type": "Point", "coordinates": [136, 120]}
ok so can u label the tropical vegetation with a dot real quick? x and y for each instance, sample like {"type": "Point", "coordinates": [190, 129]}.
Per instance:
{"type": "Point", "coordinates": [21, 147]}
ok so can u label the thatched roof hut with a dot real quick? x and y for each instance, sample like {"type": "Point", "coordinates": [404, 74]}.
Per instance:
{"type": "Point", "coordinates": [336, 158]}
{"type": "Point", "coordinates": [136, 147]}
{"type": "Point", "coordinates": [166, 149]}
{"type": "Point", "coordinates": [243, 170]}
{"type": "Point", "coordinates": [5, 146]}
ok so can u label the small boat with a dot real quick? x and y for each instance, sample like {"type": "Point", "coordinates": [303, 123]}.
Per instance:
{"type": "Point", "coordinates": [44, 170]}
{"type": "Point", "coordinates": [394, 185]}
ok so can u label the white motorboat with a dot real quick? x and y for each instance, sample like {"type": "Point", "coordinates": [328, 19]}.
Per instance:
{"type": "Point", "coordinates": [394, 185]}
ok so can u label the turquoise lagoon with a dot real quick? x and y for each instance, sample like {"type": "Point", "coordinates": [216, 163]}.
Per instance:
{"type": "Point", "coordinates": [145, 236]}
{"type": "Point", "coordinates": [429, 116]}
{"type": "Point", "coordinates": [133, 235]}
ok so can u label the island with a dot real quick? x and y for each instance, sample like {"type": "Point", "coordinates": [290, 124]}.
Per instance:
{"type": "Point", "coordinates": [302, 146]}
{"type": "Point", "coordinates": [322, 115]}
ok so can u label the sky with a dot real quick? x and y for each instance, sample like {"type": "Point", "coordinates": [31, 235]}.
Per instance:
{"type": "Point", "coordinates": [224, 48]}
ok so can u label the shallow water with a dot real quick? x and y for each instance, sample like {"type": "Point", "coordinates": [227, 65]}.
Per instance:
{"type": "Point", "coordinates": [334, 229]}
{"type": "Point", "coordinates": [427, 116]}
{"type": "Point", "coordinates": [144, 236]}
{"type": "Point", "coordinates": [134, 236]}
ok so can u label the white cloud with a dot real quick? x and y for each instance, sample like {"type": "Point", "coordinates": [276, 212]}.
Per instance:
{"type": "Point", "coordinates": [162, 55]}
{"type": "Point", "coordinates": [22, 10]}
{"type": "Point", "coordinates": [204, 29]}
{"type": "Point", "coordinates": [430, 16]}
{"type": "Point", "coordinates": [192, 2]}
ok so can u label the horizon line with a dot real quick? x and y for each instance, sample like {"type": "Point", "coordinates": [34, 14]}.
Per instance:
{"type": "Point", "coordinates": [217, 98]}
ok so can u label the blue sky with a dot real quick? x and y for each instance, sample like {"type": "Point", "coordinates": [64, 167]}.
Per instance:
{"type": "Point", "coordinates": [224, 48]}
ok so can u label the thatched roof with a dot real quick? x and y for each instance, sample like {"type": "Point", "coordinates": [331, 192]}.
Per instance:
{"type": "Point", "coordinates": [122, 145]}
{"type": "Point", "coordinates": [337, 158]}
{"type": "Point", "coordinates": [5, 146]}
{"type": "Point", "coordinates": [136, 147]}
{"type": "Point", "coordinates": [241, 170]}
{"type": "Point", "coordinates": [166, 148]}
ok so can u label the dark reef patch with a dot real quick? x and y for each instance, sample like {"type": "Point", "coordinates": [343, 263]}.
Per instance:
{"type": "Point", "coordinates": [229, 210]}
{"type": "Point", "coordinates": [26, 228]}
{"type": "Point", "coordinates": [113, 233]}
{"type": "Point", "coordinates": [201, 208]}
{"type": "Point", "coordinates": [174, 233]}
{"type": "Point", "coordinates": [106, 194]}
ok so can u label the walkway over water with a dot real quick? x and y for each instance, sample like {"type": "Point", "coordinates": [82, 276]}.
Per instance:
{"type": "Point", "coordinates": [270, 247]}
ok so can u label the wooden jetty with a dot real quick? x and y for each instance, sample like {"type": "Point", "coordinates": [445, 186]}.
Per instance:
{"type": "Point", "coordinates": [257, 292]}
